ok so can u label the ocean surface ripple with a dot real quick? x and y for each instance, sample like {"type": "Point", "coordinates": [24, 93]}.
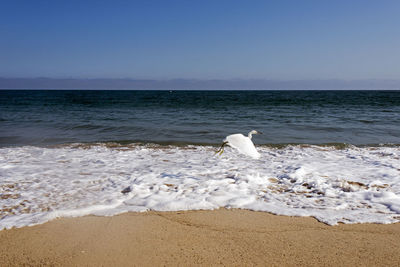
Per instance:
{"type": "Point", "coordinates": [199, 117]}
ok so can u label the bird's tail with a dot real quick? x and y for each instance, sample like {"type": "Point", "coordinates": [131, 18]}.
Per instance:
{"type": "Point", "coordinates": [221, 149]}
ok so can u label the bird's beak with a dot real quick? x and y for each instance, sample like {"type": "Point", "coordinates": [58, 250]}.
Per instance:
{"type": "Point", "coordinates": [259, 132]}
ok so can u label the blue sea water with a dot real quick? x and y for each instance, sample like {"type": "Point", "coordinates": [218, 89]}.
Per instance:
{"type": "Point", "coordinates": [49, 117]}
{"type": "Point", "coordinates": [75, 153]}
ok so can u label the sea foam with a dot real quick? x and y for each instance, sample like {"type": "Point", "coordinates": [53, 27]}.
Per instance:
{"type": "Point", "coordinates": [350, 185]}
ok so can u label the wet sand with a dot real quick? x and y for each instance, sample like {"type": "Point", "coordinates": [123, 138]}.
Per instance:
{"type": "Point", "coordinates": [222, 237]}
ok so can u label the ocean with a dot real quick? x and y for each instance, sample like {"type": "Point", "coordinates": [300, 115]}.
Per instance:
{"type": "Point", "coordinates": [199, 117]}
{"type": "Point", "coordinates": [333, 155]}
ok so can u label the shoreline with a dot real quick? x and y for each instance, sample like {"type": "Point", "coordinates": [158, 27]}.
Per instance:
{"type": "Point", "coordinates": [219, 237]}
{"type": "Point", "coordinates": [352, 185]}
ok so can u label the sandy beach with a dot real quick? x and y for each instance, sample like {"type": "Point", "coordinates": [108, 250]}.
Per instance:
{"type": "Point", "coordinates": [221, 237]}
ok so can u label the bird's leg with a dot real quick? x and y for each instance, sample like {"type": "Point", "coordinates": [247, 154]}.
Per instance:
{"type": "Point", "coordinates": [221, 149]}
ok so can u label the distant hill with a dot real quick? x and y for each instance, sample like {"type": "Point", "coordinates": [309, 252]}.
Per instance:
{"type": "Point", "coordinates": [193, 84]}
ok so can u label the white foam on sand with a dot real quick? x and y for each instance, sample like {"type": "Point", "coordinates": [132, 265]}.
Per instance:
{"type": "Point", "coordinates": [352, 185]}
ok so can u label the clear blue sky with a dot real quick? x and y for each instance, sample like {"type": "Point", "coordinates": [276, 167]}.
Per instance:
{"type": "Point", "coordinates": [279, 39]}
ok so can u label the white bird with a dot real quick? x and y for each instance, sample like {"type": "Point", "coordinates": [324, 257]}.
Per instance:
{"type": "Point", "coordinates": [242, 143]}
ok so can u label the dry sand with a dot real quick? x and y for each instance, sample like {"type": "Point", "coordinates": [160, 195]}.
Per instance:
{"type": "Point", "coordinates": [221, 237]}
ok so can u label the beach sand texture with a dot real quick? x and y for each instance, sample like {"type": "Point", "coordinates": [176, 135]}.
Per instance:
{"type": "Point", "coordinates": [220, 237]}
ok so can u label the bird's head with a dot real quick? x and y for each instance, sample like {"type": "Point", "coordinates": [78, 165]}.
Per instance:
{"type": "Point", "coordinates": [253, 132]}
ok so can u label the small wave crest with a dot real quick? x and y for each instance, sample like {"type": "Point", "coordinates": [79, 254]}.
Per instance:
{"type": "Point", "coordinates": [126, 144]}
